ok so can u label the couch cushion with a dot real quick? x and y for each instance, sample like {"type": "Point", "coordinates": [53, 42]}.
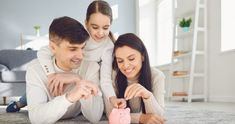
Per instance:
{"type": "Point", "coordinates": [3, 68]}
{"type": "Point", "coordinates": [16, 59]}
{"type": "Point", "coordinates": [13, 76]}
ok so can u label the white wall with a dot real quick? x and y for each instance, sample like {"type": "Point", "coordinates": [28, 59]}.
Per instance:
{"type": "Point", "coordinates": [221, 65]}
{"type": "Point", "coordinates": [19, 16]}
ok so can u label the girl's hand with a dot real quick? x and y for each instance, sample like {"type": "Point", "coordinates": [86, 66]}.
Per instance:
{"type": "Point", "coordinates": [117, 102]}
{"type": "Point", "coordinates": [151, 119]}
{"type": "Point", "coordinates": [136, 90]}
{"type": "Point", "coordinates": [57, 81]}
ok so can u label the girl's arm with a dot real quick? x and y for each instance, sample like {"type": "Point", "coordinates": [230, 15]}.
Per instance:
{"type": "Point", "coordinates": [106, 72]}
{"type": "Point", "coordinates": [45, 59]}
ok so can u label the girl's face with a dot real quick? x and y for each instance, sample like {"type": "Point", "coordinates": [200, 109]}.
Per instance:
{"type": "Point", "coordinates": [98, 26]}
{"type": "Point", "coordinates": [129, 61]}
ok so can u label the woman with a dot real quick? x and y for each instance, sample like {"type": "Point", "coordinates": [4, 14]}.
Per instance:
{"type": "Point", "coordinates": [136, 82]}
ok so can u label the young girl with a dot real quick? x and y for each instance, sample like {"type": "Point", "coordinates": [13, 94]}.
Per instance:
{"type": "Point", "coordinates": [97, 62]}
{"type": "Point", "coordinates": [140, 85]}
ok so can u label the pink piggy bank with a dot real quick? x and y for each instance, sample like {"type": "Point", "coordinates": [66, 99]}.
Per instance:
{"type": "Point", "coordinates": [120, 116]}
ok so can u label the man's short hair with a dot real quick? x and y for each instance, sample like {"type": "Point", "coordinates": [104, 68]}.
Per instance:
{"type": "Point", "coordinates": [66, 28]}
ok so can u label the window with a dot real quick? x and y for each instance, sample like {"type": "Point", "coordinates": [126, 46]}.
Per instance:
{"type": "Point", "coordinates": [154, 26]}
{"type": "Point", "coordinates": [227, 25]}
{"type": "Point", "coordinates": [164, 32]}
{"type": "Point", "coordinates": [146, 27]}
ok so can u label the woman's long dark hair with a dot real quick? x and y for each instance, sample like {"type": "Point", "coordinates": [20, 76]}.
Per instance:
{"type": "Point", "coordinates": [102, 7]}
{"type": "Point", "coordinates": [134, 42]}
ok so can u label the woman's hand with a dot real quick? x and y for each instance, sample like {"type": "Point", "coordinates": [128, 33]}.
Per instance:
{"type": "Point", "coordinates": [57, 81]}
{"type": "Point", "coordinates": [136, 90]}
{"type": "Point", "coordinates": [117, 102]}
{"type": "Point", "coordinates": [151, 119]}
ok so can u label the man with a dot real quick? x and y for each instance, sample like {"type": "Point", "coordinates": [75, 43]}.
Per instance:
{"type": "Point", "coordinates": [67, 40]}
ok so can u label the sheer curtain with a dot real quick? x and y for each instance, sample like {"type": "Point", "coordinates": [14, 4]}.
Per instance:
{"type": "Point", "coordinates": [155, 28]}
{"type": "Point", "coordinates": [164, 32]}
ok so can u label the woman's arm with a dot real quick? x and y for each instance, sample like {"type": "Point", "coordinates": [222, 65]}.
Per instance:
{"type": "Point", "coordinates": [155, 103]}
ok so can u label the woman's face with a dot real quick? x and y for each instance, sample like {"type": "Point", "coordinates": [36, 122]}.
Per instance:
{"type": "Point", "coordinates": [98, 26]}
{"type": "Point", "coordinates": [129, 61]}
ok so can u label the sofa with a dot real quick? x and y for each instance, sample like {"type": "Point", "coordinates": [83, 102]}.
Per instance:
{"type": "Point", "coordinates": [13, 64]}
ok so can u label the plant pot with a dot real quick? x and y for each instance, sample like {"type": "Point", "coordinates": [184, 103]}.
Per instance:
{"type": "Point", "coordinates": [185, 29]}
{"type": "Point", "coordinates": [37, 32]}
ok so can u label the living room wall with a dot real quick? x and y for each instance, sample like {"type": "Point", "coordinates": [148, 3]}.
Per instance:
{"type": "Point", "coordinates": [18, 17]}
{"type": "Point", "coordinates": [221, 65]}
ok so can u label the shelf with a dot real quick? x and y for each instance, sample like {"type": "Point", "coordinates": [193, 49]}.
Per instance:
{"type": "Point", "coordinates": [180, 73]}
{"type": "Point", "coordinates": [179, 52]}
{"type": "Point", "coordinates": [188, 75]}
{"type": "Point", "coordinates": [32, 41]}
{"type": "Point", "coordinates": [201, 29]}
{"type": "Point", "coordinates": [182, 55]}
{"type": "Point", "coordinates": [183, 35]}
{"type": "Point", "coordinates": [30, 37]}
{"type": "Point", "coordinates": [187, 54]}
{"type": "Point", "coordinates": [192, 97]}
{"type": "Point", "coordinates": [187, 47]}
{"type": "Point", "coordinates": [179, 94]}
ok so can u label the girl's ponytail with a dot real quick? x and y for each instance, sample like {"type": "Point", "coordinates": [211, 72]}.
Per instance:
{"type": "Point", "coordinates": [111, 36]}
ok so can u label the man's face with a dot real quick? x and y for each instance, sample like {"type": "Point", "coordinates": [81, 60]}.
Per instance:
{"type": "Point", "coordinates": [68, 56]}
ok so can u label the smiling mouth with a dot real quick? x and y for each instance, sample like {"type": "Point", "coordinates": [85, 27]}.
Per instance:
{"type": "Point", "coordinates": [99, 37]}
{"type": "Point", "coordinates": [76, 61]}
{"type": "Point", "coordinates": [128, 71]}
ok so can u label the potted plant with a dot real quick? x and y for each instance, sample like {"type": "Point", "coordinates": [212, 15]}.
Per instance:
{"type": "Point", "coordinates": [37, 29]}
{"type": "Point", "coordinates": [185, 24]}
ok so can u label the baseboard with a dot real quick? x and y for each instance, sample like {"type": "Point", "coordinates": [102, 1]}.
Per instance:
{"type": "Point", "coordinates": [222, 99]}
{"type": "Point", "coordinates": [9, 99]}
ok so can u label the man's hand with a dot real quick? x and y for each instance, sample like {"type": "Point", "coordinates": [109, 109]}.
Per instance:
{"type": "Point", "coordinates": [151, 119]}
{"type": "Point", "coordinates": [117, 102]}
{"type": "Point", "coordinates": [136, 90]}
{"type": "Point", "coordinates": [83, 90]}
{"type": "Point", "coordinates": [57, 81]}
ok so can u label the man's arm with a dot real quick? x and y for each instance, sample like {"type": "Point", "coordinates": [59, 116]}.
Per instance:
{"type": "Point", "coordinates": [40, 110]}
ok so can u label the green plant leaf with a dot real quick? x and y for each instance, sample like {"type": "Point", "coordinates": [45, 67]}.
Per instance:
{"type": "Point", "coordinates": [185, 22]}
{"type": "Point", "coordinates": [36, 27]}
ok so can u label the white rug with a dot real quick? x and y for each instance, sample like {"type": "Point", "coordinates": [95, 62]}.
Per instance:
{"type": "Point", "coordinates": [173, 114]}
{"type": "Point", "coordinates": [22, 118]}
{"type": "Point", "coordinates": [190, 115]}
